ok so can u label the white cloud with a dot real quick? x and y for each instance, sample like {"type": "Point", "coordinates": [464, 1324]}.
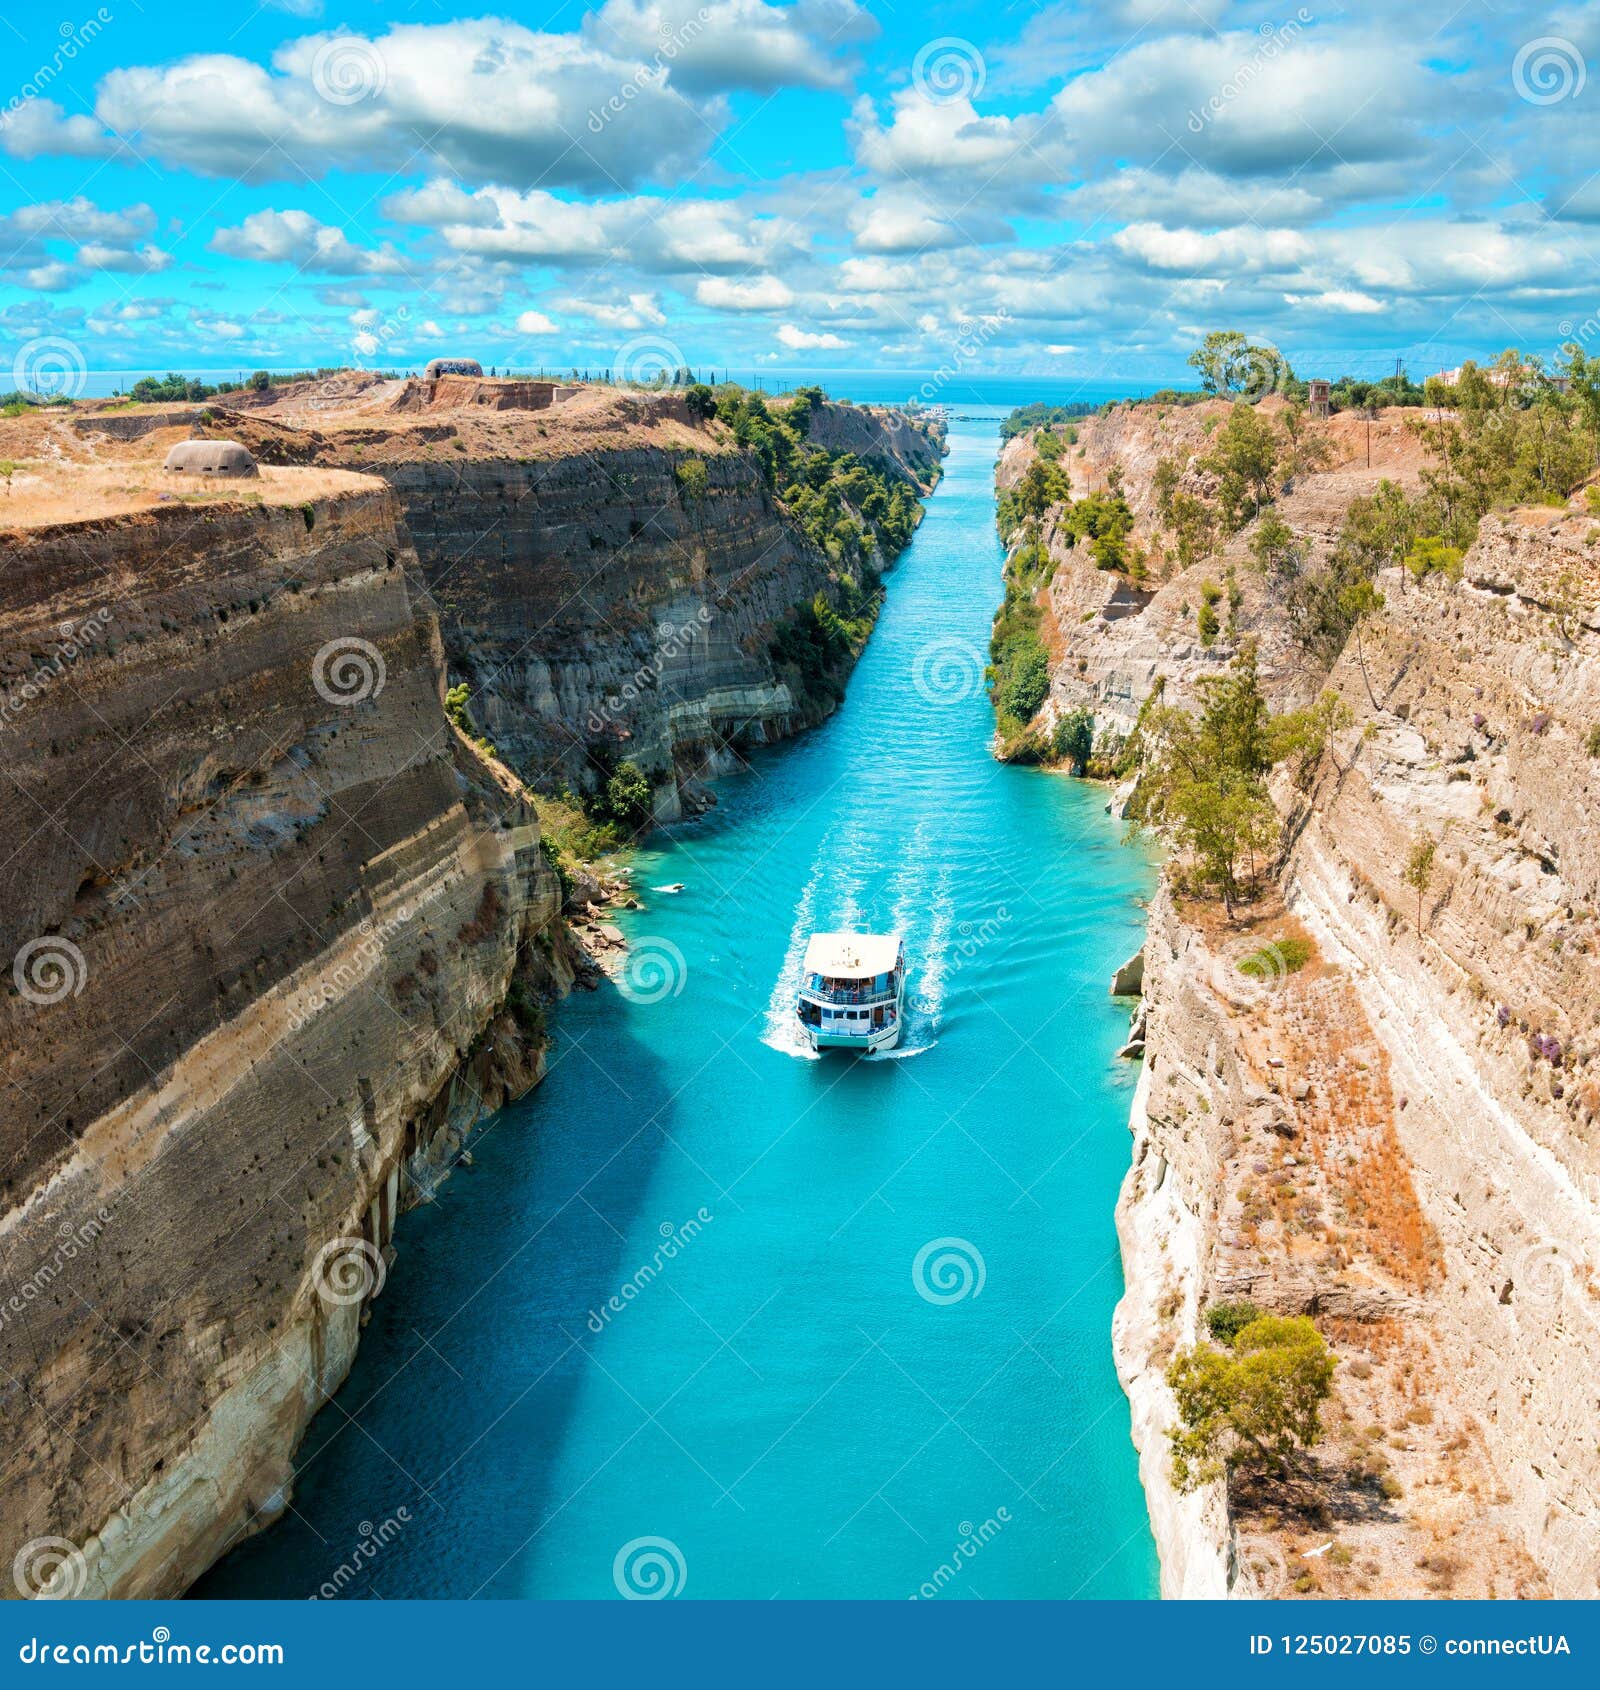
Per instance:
{"type": "Point", "coordinates": [760, 293]}
{"type": "Point", "coordinates": [707, 46]}
{"type": "Point", "coordinates": [1339, 299]}
{"type": "Point", "coordinates": [804, 340]}
{"type": "Point", "coordinates": [144, 261]}
{"type": "Point", "coordinates": [641, 311]}
{"type": "Point", "coordinates": [487, 97]}
{"type": "Point", "coordinates": [297, 238]}
{"type": "Point", "coordinates": [534, 323]}
{"type": "Point", "coordinates": [38, 127]}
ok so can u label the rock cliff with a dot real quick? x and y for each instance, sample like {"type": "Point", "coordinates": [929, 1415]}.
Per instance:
{"type": "Point", "coordinates": [1390, 1123]}
{"type": "Point", "coordinates": [599, 595]}
{"type": "Point", "coordinates": [262, 911]}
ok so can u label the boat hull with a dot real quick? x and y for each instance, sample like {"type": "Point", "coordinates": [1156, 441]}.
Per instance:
{"type": "Point", "coordinates": [884, 1038]}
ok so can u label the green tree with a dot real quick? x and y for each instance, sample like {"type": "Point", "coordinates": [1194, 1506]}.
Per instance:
{"type": "Point", "coordinates": [1258, 1400]}
{"type": "Point", "coordinates": [1223, 360]}
{"type": "Point", "coordinates": [1025, 684]}
{"type": "Point", "coordinates": [1244, 459]}
{"type": "Point", "coordinates": [1073, 740]}
{"type": "Point", "coordinates": [1418, 871]}
{"type": "Point", "coordinates": [702, 402]}
{"type": "Point", "coordinates": [1204, 778]}
{"type": "Point", "coordinates": [628, 797]}
{"type": "Point", "coordinates": [1274, 548]}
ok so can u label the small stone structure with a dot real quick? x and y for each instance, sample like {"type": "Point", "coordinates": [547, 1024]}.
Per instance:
{"type": "Point", "coordinates": [451, 367]}
{"type": "Point", "coordinates": [222, 458]}
{"type": "Point", "coordinates": [1318, 398]}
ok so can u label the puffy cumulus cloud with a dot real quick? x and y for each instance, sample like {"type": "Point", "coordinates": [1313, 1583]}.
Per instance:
{"type": "Point", "coordinates": [809, 340]}
{"type": "Point", "coordinates": [535, 323]}
{"type": "Point", "coordinates": [1244, 248]}
{"type": "Point", "coordinates": [1349, 300]}
{"type": "Point", "coordinates": [709, 46]}
{"type": "Point", "coordinates": [486, 97]}
{"type": "Point", "coordinates": [638, 311]}
{"type": "Point", "coordinates": [759, 293]}
{"type": "Point", "coordinates": [38, 127]}
{"type": "Point", "coordinates": [650, 234]}
{"type": "Point", "coordinates": [142, 261]}
{"type": "Point", "coordinates": [946, 140]}
{"type": "Point", "coordinates": [1253, 105]}
{"type": "Point", "coordinates": [895, 220]}
{"type": "Point", "coordinates": [297, 238]}
{"type": "Point", "coordinates": [35, 242]}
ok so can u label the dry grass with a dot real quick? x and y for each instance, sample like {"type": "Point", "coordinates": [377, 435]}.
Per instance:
{"type": "Point", "coordinates": [43, 491]}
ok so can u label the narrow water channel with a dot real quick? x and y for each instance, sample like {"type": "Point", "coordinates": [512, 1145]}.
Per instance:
{"type": "Point", "coordinates": [799, 1397]}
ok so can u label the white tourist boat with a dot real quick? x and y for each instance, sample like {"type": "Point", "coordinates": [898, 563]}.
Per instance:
{"type": "Point", "coordinates": [852, 991]}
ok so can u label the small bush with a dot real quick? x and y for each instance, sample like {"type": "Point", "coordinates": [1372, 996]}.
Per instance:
{"type": "Point", "coordinates": [1225, 1321]}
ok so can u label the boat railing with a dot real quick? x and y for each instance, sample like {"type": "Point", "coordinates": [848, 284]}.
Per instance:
{"type": "Point", "coordinates": [847, 995]}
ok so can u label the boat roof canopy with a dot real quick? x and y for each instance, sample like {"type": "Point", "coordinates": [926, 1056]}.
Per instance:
{"type": "Point", "coordinates": [852, 955]}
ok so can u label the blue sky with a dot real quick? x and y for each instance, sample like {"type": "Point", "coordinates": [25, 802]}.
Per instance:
{"type": "Point", "coordinates": [1056, 189]}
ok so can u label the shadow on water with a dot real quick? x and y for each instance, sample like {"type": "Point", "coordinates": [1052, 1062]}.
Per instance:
{"type": "Point", "coordinates": [557, 1181]}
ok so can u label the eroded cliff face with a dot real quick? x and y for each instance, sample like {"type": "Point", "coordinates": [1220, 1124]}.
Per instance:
{"type": "Point", "coordinates": [1396, 1135]}
{"type": "Point", "coordinates": [261, 911]}
{"type": "Point", "coordinates": [1112, 639]}
{"type": "Point", "coordinates": [600, 600]}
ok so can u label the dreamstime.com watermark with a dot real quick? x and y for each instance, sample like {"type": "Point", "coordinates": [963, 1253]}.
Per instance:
{"type": "Point", "coordinates": [373, 1541]}
{"type": "Point", "coordinates": [373, 937]}
{"type": "Point", "coordinates": [1273, 39]}
{"type": "Point", "coordinates": [156, 1650]}
{"type": "Point", "coordinates": [72, 1243]}
{"type": "Point", "coordinates": [673, 640]}
{"type": "Point", "coordinates": [674, 1239]}
{"type": "Point", "coordinates": [74, 38]}
{"type": "Point", "coordinates": [75, 640]}
{"type": "Point", "coordinates": [651, 75]}
{"type": "Point", "coordinates": [971, 1541]}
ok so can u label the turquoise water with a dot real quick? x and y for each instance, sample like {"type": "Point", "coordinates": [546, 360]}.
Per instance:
{"type": "Point", "coordinates": [799, 1397]}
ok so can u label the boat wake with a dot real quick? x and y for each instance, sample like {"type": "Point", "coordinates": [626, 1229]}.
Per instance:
{"type": "Point", "coordinates": [916, 903]}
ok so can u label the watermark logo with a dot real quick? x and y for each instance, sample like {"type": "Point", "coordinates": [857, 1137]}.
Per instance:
{"type": "Point", "coordinates": [74, 38]}
{"type": "Point", "coordinates": [348, 69]}
{"type": "Point", "coordinates": [949, 69]}
{"type": "Point", "coordinates": [948, 1270]}
{"type": "Point", "coordinates": [947, 671]}
{"type": "Point", "coordinates": [1266, 371]}
{"type": "Point", "coordinates": [673, 640]}
{"type": "Point", "coordinates": [653, 971]}
{"type": "Point", "coordinates": [348, 1270]}
{"type": "Point", "coordinates": [348, 671]}
{"type": "Point", "coordinates": [649, 1569]}
{"type": "Point", "coordinates": [73, 1241]}
{"type": "Point", "coordinates": [1273, 39]}
{"type": "Point", "coordinates": [1548, 70]}
{"type": "Point", "coordinates": [49, 970]}
{"type": "Point", "coordinates": [1245, 975]}
{"type": "Point", "coordinates": [1542, 1273]}
{"type": "Point", "coordinates": [973, 937]}
{"type": "Point", "coordinates": [50, 367]}
{"type": "Point", "coordinates": [648, 361]}
{"type": "Point", "coordinates": [652, 75]}
{"type": "Point", "coordinates": [49, 1569]}
{"type": "Point", "coordinates": [674, 1240]}
{"type": "Point", "coordinates": [373, 1540]}
{"type": "Point", "coordinates": [76, 638]}
{"type": "Point", "coordinates": [971, 1540]}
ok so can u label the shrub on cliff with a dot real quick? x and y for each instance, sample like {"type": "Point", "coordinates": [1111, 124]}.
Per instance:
{"type": "Point", "coordinates": [1259, 1400]}
{"type": "Point", "coordinates": [702, 402]}
{"type": "Point", "coordinates": [1072, 740]}
{"type": "Point", "coordinates": [694, 480]}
